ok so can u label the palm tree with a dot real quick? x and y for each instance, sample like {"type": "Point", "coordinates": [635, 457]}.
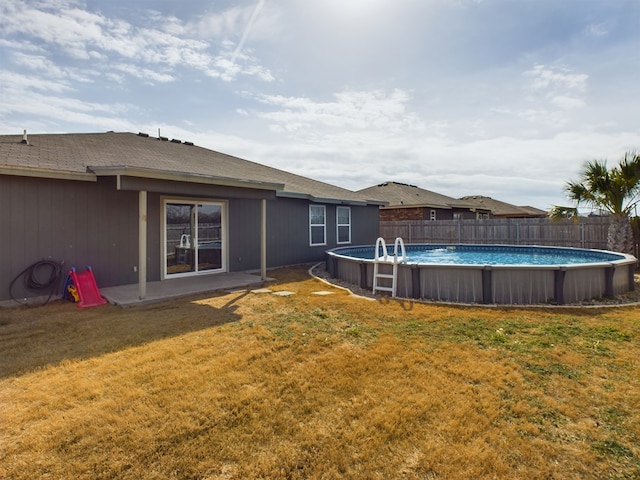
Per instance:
{"type": "Point", "coordinates": [615, 191]}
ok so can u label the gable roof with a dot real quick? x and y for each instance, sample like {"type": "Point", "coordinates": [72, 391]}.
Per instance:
{"type": "Point", "coordinates": [402, 195]}
{"type": "Point", "coordinates": [88, 155]}
{"type": "Point", "coordinates": [503, 209]}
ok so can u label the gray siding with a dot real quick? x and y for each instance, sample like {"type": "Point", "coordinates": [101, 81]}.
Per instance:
{"type": "Point", "coordinates": [365, 225]}
{"type": "Point", "coordinates": [244, 234]}
{"type": "Point", "coordinates": [80, 223]}
{"type": "Point", "coordinates": [89, 223]}
{"type": "Point", "coordinates": [288, 231]}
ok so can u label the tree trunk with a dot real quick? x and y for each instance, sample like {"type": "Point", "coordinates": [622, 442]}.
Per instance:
{"type": "Point", "coordinates": [620, 235]}
{"type": "Point", "coordinates": [635, 227]}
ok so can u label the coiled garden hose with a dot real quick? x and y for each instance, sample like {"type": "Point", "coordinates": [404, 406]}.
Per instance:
{"type": "Point", "coordinates": [44, 275]}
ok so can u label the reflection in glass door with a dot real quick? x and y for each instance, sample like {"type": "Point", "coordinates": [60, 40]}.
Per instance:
{"type": "Point", "coordinates": [209, 247]}
{"type": "Point", "coordinates": [193, 237]}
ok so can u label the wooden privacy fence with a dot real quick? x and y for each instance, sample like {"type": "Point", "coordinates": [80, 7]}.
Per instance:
{"type": "Point", "coordinates": [589, 232]}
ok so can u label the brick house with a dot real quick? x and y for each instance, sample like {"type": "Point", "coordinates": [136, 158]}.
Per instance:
{"type": "Point", "coordinates": [409, 202]}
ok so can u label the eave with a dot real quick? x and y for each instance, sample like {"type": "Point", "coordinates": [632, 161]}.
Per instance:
{"type": "Point", "coordinates": [119, 171]}
{"type": "Point", "coordinates": [20, 171]}
{"type": "Point", "coordinates": [336, 201]}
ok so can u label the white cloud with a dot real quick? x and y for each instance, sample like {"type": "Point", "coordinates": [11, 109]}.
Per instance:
{"type": "Point", "coordinates": [232, 22]}
{"type": "Point", "coordinates": [358, 110]}
{"type": "Point", "coordinates": [146, 74]}
{"type": "Point", "coordinates": [555, 92]}
{"type": "Point", "coordinates": [163, 43]}
{"type": "Point", "coordinates": [47, 68]}
{"type": "Point", "coordinates": [215, 25]}
{"type": "Point", "coordinates": [51, 110]}
{"type": "Point", "coordinates": [566, 102]}
{"type": "Point", "coordinates": [545, 78]}
{"type": "Point", "coordinates": [16, 85]}
{"type": "Point", "coordinates": [598, 29]}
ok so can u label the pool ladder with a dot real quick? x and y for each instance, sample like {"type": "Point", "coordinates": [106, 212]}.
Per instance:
{"type": "Point", "coordinates": [385, 259]}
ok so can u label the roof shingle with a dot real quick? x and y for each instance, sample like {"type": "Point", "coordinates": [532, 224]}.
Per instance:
{"type": "Point", "coordinates": [79, 152]}
{"type": "Point", "coordinates": [404, 195]}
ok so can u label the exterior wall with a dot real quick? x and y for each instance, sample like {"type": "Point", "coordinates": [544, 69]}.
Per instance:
{"type": "Point", "coordinates": [244, 234]}
{"type": "Point", "coordinates": [423, 213]}
{"type": "Point", "coordinates": [365, 225]}
{"type": "Point", "coordinates": [80, 223]}
{"type": "Point", "coordinates": [288, 231]}
{"type": "Point", "coordinates": [416, 213]}
{"type": "Point", "coordinates": [94, 223]}
{"type": "Point", "coordinates": [398, 214]}
{"type": "Point", "coordinates": [466, 214]}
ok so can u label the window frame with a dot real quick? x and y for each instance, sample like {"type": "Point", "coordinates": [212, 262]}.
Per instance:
{"type": "Point", "coordinates": [322, 225]}
{"type": "Point", "coordinates": [338, 225]}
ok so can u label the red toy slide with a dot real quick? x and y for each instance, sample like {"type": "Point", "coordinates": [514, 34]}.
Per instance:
{"type": "Point", "coordinates": [88, 293]}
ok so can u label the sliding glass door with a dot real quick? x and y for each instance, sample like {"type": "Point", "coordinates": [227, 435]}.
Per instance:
{"type": "Point", "coordinates": [194, 237]}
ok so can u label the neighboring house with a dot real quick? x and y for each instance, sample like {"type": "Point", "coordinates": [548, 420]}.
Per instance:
{"type": "Point", "coordinates": [502, 209]}
{"type": "Point", "coordinates": [141, 209]}
{"type": "Point", "coordinates": [408, 202]}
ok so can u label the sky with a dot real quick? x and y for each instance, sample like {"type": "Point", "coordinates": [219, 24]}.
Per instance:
{"type": "Point", "coordinates": [501, 98]}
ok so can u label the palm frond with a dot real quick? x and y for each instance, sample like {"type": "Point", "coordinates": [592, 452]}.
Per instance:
{"type": "Point", "coordinates": [615, 190]}
{"type": "Point", "coordinates": [559, 212]}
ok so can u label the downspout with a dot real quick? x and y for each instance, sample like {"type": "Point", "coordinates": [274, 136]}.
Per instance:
{"type": "Point", "coordinates": [263, 241]}
{"type": "Point", "coordinates": [142, 244]}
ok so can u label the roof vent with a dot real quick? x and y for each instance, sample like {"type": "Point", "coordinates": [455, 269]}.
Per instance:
{"type": "Point", "coordinates": [189, 143]}
{"type": "Point", "coordinates": [164, 139]}
{"type": "Point", "coordinates": [175, 140]}
{"type": "Point", "coordinates": [24, 140]}
{"type": "Point", "coordinates": [145, 135]}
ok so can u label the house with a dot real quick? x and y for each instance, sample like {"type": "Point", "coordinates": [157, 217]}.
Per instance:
{"type": "Point", "coordinates": [408, 202]}
{"type": "Point", "coordinates": [139, 209]}
{"type": "Point", "coordinates": [502, 209]}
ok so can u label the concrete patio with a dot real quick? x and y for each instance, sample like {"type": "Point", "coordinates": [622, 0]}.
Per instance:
{"type": "Point", "coordinates": [128, 295]}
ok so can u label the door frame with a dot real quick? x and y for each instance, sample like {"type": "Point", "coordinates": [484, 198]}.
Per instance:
{"type": "Point", "coordinates": [224, 234]}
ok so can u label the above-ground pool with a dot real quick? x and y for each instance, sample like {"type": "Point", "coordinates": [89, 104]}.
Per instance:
{"type": "Point", "coordinates": [492, 274]}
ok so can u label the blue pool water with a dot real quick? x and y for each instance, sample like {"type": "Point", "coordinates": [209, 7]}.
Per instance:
{"type": "Point", "coordinates": [490, 255]}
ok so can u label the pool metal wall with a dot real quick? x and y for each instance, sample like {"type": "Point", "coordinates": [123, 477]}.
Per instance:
{"type": "Point", "coordinates": [502, 285]}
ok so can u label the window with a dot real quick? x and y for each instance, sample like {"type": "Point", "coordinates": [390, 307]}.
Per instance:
{"type": "Point", "coordinates": [343, 219]}
{"type": "Point", "coordinates": [432, 215]}
{"type": "Point", "coordinates": [317, 225]}
{"type": "Point", "coordinates": [457, 216]}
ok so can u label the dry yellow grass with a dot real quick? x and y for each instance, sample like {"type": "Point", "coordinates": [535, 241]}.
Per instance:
{"type": "Point", "coordinates": [239, 385]}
